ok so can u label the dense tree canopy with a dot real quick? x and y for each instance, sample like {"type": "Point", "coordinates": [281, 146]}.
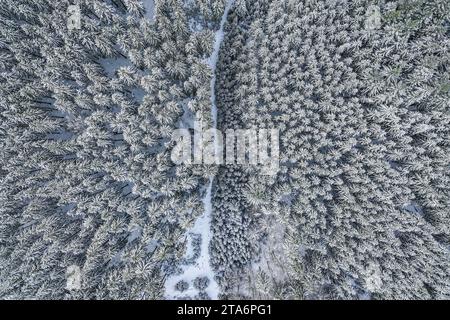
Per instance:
{"type": "Point", "coordinates": [359, 90]}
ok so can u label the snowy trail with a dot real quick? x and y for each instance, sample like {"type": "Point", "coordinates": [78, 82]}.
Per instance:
{"type": "Point", "coordinates": [202, 266]}
{"type": "Point", "coordinates": [212, 61]}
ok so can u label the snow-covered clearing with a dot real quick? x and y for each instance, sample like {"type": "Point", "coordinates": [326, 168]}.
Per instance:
{"type": "Point", "coordinates": [202, 266]}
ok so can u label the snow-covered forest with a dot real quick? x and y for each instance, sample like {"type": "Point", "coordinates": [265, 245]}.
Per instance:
{"type": "Point", "coordinates": [93, 207]}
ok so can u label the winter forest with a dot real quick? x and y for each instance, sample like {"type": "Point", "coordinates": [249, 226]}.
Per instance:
{"type": "Point", "coordinates": [93, 207]}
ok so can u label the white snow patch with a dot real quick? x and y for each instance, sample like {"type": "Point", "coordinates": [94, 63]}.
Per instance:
{"type": "Point", "coordinates": [111, 65]}
{"type": "Point", "coordinates": [189, 247]}
{"type": "Point", "coordinates": [149, 6]}
{"type": "Point", "coordinates": [414, 208]}
{"type": "Point", "coordinates": [73, 275]}
{"type": "Point", "coordinates": [138, 94]}
{"type": "Point", "coordinates": [202, 266]}
{"type": "Point", "coordinates": [212, 60]}
{"type": "Point", "coordinates": [202, 226]}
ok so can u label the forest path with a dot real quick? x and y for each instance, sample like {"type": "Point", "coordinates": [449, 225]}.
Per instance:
{"type": "Point", "coordinates": [200, 270]}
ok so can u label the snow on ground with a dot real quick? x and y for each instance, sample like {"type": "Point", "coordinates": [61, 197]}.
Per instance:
{"type": "Point", "coordinates": [202, 266]}
{"type": "Point", "coordinates": [111, 65]}
{"type": "Point", "coordinates": [190, 253]}
{"type": "Point", "coordinates": [212, 60]}
{"type": "Point", "coordinates": [149, 6]}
